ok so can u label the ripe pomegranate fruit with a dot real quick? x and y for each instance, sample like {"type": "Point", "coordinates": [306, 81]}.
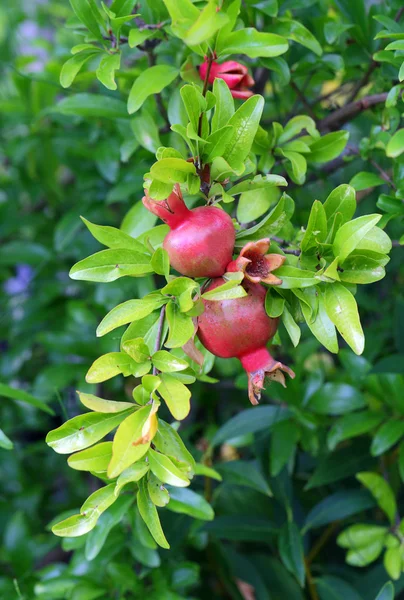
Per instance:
{"type": "Point", "coordinates": [240, 327]}
{"type": "Point", "coordinates": [201, 240]}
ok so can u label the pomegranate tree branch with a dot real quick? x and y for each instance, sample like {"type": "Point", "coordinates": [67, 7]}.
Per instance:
{"type": "Point", "coordinates": [283, 242]}
{"type": "Point", "coordinates": [362, 82]}
{"type": "Point", "coordinates": [159, 336]}
{"type": "Point", "coordinates": [205, 88]}
{"type": "Point", "coordinates": [348, 112]}
{"type": "Point", "coordinates": [303, 99]}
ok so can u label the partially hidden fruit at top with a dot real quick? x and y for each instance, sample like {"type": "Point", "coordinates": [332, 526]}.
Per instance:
{"type": "Point", "coordinates": [240, 327]}
{"type": "Point", "coordinates": [233, 73]}
{"type": "Point", "coordinates": [201, 240]}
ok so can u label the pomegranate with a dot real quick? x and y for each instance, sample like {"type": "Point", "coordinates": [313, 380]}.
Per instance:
{"type": "Point", "coordinates": [201, 240]}
{"type": "Point", "coordinates": [240, 327]}
{"type": "Point", "coordinates": [233, 73]}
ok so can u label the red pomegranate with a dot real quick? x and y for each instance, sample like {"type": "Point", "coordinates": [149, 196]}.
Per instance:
{"type": "Point", "coordinates": [240, 327]}
{"type": "Point", "coordinates": [201, 240]}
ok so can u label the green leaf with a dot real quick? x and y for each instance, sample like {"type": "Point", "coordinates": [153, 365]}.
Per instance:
{"type": "Point", "coordinates": [94, 459]}
{"type": "Point", "coordinates": [352, 425]}
{"type": "Point", "coordinates": [209, 21]}
{"type": "Point", "coordinates": [137, 349]}
{"type": "Point", "coordinates": [111, 517]}
{"type": "Point", "coordinates": [284, 436]}
{"type": "Point", "coordinates": [72, 66]}
{"type": "Point", "coordinates": [5, 441]}
{"type": "Point", "coordinates": [338, 506]}
{"type": "Point", "coordinates": [336, 399]}
{"type": "Point", "coordinates": [364, 180]}
{"type": "Point", "coordinates": [387, 592]}
{"type": "Point", "coordinates": [168, 363]}
{"type": "Point", "coordinates": [138, 36]}
{"type": "Point", "coordinates": [15, 394]}
{"type": "Point", "coordinates": [201, 469]}
{"type": "Point", "coordinates": [365, 543]}
{"type": "Point", "coordinates": [183, 14]}
{"type": "Point", "coordinates": [389, 434]}
{"type": "Point", "coordinates": [291, 551]}
{"type": "Point", "coordinates": [113, 238]}
{"type": "Point", "coordinates": [165, 470]}
{"type": "Point", "coordinates": [342, 309]}
{"type": "Point", "coordinates": [292, 277]}
{"type": "Point", "coordinates": [161, 262]}
{"type": "Point", "coordinates": [106, 70]}
{"type": "Point", "coordinates": [132, 474]}
{"type": "Point", "coordinates": [216, 142]}
{"type": "Point", "coordinates": [172, 170]}
{"type": "Point", "coordinates": [361, 266]}
{"type": "Point", "coordinates": [381, 491]}
{"type": "Point", "coordinates": [90, 512]}
{"type": "Point", "coordinates": [270, 225]}
{"type": "Point", "coordinates": [291, 326]}
{"type": "Point", "coordinates": [245, 122]}
{"type": "Point", "coordinates": [246, 474]}
{"type": "Point", "coordinates": [257, 183]}
{"type": "Point", "coordinates": [227, 291]}
{"type": "Point", "coordinates": [87, 12]}
{"type": "Point", "coordinates": [316, 231]}
{"type": "Point", "coordinates": [321, 326]}
{"type": "Point", "coordinates": [170, 443]}
{"type": "Point", "coordinates": [328, 147]}
{"type": "Point", "coordinates": [129, 311]}
{"type": "Point", "coordinates": [127, 447]}
{"type": "Point", "coordinates": [253, 43]}
{"type": "Point", "coordinates": [110, 265]}
{"type": "Point", "coordinates": [395, 146]}
{"type": "Point", "coordinates": [146, 132]}
{"type": "Point", "coordinates": [250, 420]}
{"type": "Point", "coordinates": [341, 200]}
{"type": "Point", "coordinates": [274, 304]}
{"type": "Point", "coordinates": [187, 502]}
{"type": "Point", "coordinates": [109, 365]}
{"type": "Point", "coordinates": [298, 165]}
{"type": "Point", "coordinates": [293, 30]}
{"type": "Point", "coordinates": [330, 587]}
{"type": "Point", "coordinates": [83, 431]}
{"type": "Point", "coordinates": [181, 327]}
{"type": "Point", "coordinates": [92, 105]}
{"type": "Point", "coordinates": [393, 562]}
{"type": "Point", "coordinates": [150, 516]}
{"type": "Point", "coordinates": [224, 108]}
{"type": "Point", "coordinates": [158, 493]}
{"type": "Point", "coordinates": [176, 396]}
{"type": "Point", "coordinates": [151, 81]}
{"type": "Point", "coordinates": [375, 240]}
{"type": "Point", "coordinates": [341, 463]}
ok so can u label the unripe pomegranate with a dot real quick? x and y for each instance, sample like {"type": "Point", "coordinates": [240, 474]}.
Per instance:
{"type": "Point", "coordinates": [201, 240]}
{"type": "Point", "coordinates": [240, 327]}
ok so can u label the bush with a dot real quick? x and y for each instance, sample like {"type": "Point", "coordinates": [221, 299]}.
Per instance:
{"type": "Point", "coordinates": [280, 120]}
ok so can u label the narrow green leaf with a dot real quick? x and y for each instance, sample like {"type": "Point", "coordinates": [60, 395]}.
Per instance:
{"type": "Point", "coordinates": [176, 396]}
{"type": "Point", "coordinates": [127, 446]}
{"type": "Point", "coordinates": [109, 265]}
{"type": "Point", "coordinates": [106, 70]}
{"type": "Point", "coordinates": [15, 394]}
{"type": "Point", "coordinates": [187, 502]}
{"type": "Point", "coordinates": [165, 470]}
{"type": "Point", "coordinates": [381, 491]}
{"type": "Point", "coordinates": [151, 81]}
{"type": "Point", "coordinates": [150, 516]}
{"type": "Point", "coordinates": [94, 459]}
{"type": "Point", "coordinates": [342, 309]}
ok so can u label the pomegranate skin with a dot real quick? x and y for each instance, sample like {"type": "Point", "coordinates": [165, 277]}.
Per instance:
{"type": "Point", "coordinates": [241, 328]}
{"type": "Point", "coordinates": [233, 328]}
{"type": "Point", "coordinates": [202, 244]}
{"type": "Point", "coordinates": [201, 240]}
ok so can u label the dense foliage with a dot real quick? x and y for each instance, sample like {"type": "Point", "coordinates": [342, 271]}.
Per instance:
{"type": "Point", "coordinates": [287, 116]}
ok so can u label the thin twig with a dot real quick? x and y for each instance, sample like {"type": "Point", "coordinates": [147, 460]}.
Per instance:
{"type": "Point", "coordinates": [310, 582]}
{"type": "Point", "coordinates": [205, 89]}
{"type": "Point", "coordinates": [157, 345]}
{"type": "Point", "coordinates": [322, 540]}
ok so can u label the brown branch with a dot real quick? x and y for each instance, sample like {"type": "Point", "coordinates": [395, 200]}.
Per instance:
{"type": "Point", "coordinates": [310, 582]}
{"type": "Point", "coordinates": [348, 112]}
{"type": "Point", "coordinates": [322, 540]}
